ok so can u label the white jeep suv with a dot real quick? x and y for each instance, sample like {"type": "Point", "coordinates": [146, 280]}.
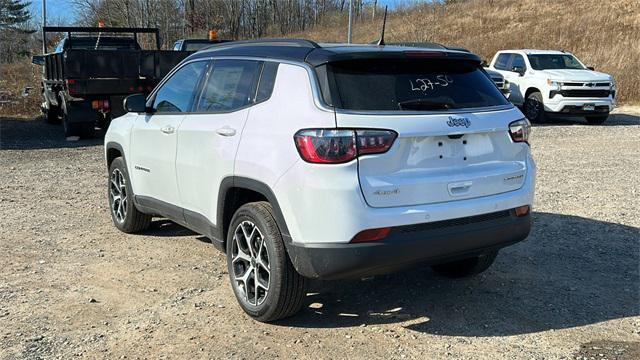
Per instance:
{"type": "Point", "coordinates": [548, 82]}
{"type": "Point", "coordinates": [302, 160]}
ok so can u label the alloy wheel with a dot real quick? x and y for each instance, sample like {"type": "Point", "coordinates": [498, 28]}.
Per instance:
{"type": "Point", "coordinates": [118, 195]}
{"type": "Point", "coordinates": [250, 263]}
{"type": "Point", "coordinates": [532, 108]}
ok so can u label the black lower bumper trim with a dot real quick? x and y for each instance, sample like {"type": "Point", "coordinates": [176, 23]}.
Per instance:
{"type": "Point", "coordinates": [428, 243]}
{"type": "Point", "coordinates": [579, 110]}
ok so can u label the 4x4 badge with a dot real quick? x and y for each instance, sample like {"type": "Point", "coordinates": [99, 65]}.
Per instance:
{"type": "Point", "coordinates": [458, 121]}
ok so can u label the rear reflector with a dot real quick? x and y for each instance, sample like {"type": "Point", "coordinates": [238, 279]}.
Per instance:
{"type": "Point", "coordinates": [521, 210]}
{"type": "Point", "coordinates": [371, 235]}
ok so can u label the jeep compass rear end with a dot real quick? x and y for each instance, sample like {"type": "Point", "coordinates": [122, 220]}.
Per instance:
{"type": "Point", "coordinates": [428, 163]}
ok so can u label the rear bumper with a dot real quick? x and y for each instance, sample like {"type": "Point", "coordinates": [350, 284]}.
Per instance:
{"type": "Point", "coordinates": [428, 243]}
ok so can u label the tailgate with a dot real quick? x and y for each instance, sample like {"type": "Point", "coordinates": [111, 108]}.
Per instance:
{"type": "Point", "coordinates": [440, 157]}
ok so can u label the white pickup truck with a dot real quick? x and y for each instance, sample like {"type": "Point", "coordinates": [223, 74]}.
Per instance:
{"type": "Point", "coordinates": [548, 82]}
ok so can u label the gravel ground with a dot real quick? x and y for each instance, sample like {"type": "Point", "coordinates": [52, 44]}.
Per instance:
{"type": "Point", "coordinates": [72, 285]}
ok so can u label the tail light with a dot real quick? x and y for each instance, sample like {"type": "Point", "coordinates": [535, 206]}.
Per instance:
{"type": "Point", "coordinates": [520, 130]}
{"type": "Point", "coordinates": [100, 104]}
{"type": "Point", "coordinates": [334, 146]}
{"type": "Point", "coordinates": [71, 86]}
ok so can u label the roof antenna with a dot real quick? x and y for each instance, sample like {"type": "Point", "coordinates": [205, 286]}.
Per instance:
{"type": "Point", "coordinates": [384, 23]}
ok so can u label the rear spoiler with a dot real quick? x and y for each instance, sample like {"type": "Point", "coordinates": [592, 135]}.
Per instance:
{"type": "Point", "coordinates": [87, 29]}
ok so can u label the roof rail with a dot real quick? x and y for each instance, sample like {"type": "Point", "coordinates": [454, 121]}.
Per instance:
{"type": "Point", "coordinates": [267, 42]}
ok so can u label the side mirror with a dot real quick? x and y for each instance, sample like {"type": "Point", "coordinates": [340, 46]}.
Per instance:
{"type": "Point", "coordinates": [37, 60]}
{"type": "Point", "coordinates": [136, 103]}
{"type": "Point", "coordinates": [484, 63]}
{"type": "Point", "coordinates": [591, 68]}
{"type": "Point", "coordinates": [518, 69]}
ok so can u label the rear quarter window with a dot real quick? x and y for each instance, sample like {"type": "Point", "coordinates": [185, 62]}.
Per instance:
{"type": "Point", "coordinates": [411, 85]}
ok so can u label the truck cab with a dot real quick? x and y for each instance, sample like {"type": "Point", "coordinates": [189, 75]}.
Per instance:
{"type": "Point", "coordinates": [195, 44]}
{"type": "Point", "coordinates": [549, 82]}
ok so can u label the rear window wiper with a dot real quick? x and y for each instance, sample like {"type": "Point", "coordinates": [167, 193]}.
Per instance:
{"type": "Point", "coordinates": [424, 104]}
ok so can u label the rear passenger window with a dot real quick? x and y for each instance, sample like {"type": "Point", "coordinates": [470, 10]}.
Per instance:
{"type": "Point", "coordinates": [502, 61]}
{"type": "Point", "coordinates": [177, 93]}
{"type": "Point", "coordinates": [267, 81]}
{"type": "Point", "coordinates": [230, 86]}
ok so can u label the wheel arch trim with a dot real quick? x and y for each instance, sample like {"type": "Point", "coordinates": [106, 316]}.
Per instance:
{"type": "Point", "coordinates": [110, 146]}
{"type": "Point", "coordinates": [254, 185]}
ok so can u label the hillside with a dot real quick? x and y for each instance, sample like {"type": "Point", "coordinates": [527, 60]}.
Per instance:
{"type": "Point", "coordinates": [604, 34]}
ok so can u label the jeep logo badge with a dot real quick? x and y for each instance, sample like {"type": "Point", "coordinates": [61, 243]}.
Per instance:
{"type": "Point", "coordinates": [458, 121]}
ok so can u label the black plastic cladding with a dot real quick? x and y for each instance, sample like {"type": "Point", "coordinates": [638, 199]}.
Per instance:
{"type": "Point", "coordinates": [300, 50]}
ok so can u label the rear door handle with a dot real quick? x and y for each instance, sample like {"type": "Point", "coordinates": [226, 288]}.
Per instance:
{"type": "Point", "coordinates": [168, 129]}
{"type": "Point", "coordinates": [226, 131]}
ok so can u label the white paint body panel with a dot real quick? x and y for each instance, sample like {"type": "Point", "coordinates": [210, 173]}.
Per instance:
{"type": "Point", "coordinates": [205, 157]}
{"type": "Point", "coordinates": [151, 163]}
{"type": "Point", "coordinates": [267, 149]}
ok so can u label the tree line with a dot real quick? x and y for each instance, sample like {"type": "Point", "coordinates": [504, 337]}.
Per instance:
{"type": "Point", "coordinates": [233, 19]}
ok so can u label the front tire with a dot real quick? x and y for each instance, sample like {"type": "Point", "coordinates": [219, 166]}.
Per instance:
{"type": "Point", "coordinates": [597, 120]}
{"type": "Point", "coordinates": [534, 108]}
{"type": "Point", "coordinates": [264, 281]}
{"type": "Point", "coordinates": [466, 267]}
{"type": "Point", "coordinates": [123, 211]}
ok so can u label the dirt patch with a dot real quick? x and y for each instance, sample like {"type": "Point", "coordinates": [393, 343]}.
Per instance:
{"type": "Point", "coordinates": [609, 350]}
{"type": "Point", "coordinates": [71, 284]}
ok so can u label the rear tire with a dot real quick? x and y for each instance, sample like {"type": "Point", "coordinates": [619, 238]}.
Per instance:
{"type": "Point", "coordinates": [123, 211]}
{"type": "Point", "coordinates": [85, 130]}
{"type": "Point", "coordinates": [466, 267]}
{"type": "Point", "coordinates": [534, 108]}
{"type": "Point", "coordinates": [52, 115]}
{"type": "Point", "coordinates": [264, 281]}
{"type": "Point", "coordinates": [597, 120]}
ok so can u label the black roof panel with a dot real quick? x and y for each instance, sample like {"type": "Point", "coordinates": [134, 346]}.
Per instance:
{"type": "Point", "coordinates": [301, 50]}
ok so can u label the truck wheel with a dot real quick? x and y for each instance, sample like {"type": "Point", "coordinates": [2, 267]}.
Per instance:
{"type": "Point", "coordinates": [84, 130]}
{"type": "Point", "coordinates": [466, 267]}
{"type": "Point", "coordinates": [123, 211]}
{"type": "Point", "coordinates": [52, 115]}
{"type": "Point", "coordinates": [597, 120]}
{"type": "Point", "coordinates": [534, 108]}
{"type": "Point", "coordinates": [263, 279]}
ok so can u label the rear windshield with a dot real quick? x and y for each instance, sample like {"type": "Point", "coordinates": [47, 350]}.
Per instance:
{"type": "Point", "coordinates": [410, 85]}
{"type": "Point", "coordinates": [195, 46]}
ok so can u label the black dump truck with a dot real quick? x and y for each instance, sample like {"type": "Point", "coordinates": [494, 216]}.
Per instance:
{"type": "Point", "coordinates": [92, 70]}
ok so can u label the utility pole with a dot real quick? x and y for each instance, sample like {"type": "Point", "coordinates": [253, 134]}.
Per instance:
{"type": "Point", "coordinates": [350, 31]}
{"type": "Point", "coordinates": [44, 23]}
{"type": "Point", "coordinates": [44, 12]}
